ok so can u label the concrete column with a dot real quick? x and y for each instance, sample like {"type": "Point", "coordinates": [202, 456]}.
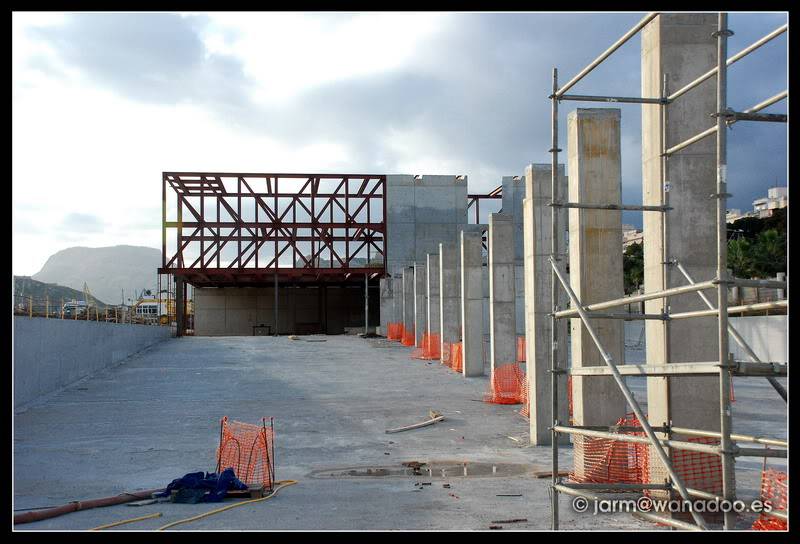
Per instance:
{"type": "Point", "coordinates": [472, 303]}
{"type": "Point", "coordinates": [678, 47]}
{"type": "Point", "coordinates": [180, 317]}
{"type": "Point", "coordinates": [386, 305]}
{"type": "Point", "coordinates": [538, 221]}
{"type": "Point", "coordinates": [397, 298]}
{"type": "Point", "coordinates": [420, 303]}
{"type": "Point", "coordinates": [432, 276]}
{"type": "Point", "coordinates": [408, 298]}
{"type": "Point", "coordinates": [513, 198]}
{"type": "Point", "coordinates": [595, 257]}
{"type": "Point", "coordinates": [449, 296]}
{"type": "Point", "coordinates": [502, 292]}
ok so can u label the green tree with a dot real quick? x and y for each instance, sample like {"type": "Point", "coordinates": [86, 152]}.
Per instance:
{"type": "Point", "coordinates": [740, 257]}
{"type": "Point", "coordinates": [633, 267]}
{"type": "Point", "coordinates": [769, 253]}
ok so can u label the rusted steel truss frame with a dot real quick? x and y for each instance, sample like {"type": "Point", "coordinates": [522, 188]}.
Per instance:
{"type": "Point", "coordinates": [334, 209]}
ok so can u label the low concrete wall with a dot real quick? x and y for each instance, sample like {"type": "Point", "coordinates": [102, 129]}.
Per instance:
{"type": "Point", "coordinates": [52, 353]}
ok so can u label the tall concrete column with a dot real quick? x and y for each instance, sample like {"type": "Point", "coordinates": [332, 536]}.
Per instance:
{"type": "Point", "coordinates": [432, 276]}
{"type": "Point", "coordinates": [386, 305]}
{"type": "Point", "coordinates": [502, 292]}
{"type": "Point", "coordinates": [595, 257]}
{"type": "Point", "coordinates": [408, 298]}
{"type": "Point", "coordinates": [180, 315]}
{"type": "Point", "coordinates": [420, 303]}
{"type": "Point", "coordinates": [472, 303]}
{"type": "Point", "coordinates": [678, 47]}
{"type": "Point", "coordinates": [538, 221]}
{"type": "Point", "coordinates": [449, 296]}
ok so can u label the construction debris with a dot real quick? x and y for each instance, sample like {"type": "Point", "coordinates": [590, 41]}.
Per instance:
{"type": "Point", "coordinates": [435, 417]}
{"type": "Point", "coordinates": [516, 520]}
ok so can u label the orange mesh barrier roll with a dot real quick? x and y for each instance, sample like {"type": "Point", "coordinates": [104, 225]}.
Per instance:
{"type": "Point", "coordinates": [603, 460]}
{"type": "Point", "coordinates": [249, 450]}
{"type": "Point", "coordinates": [395, 332]}
{"type": "Point", "coordinates": [520, 349]}
{"type": "Point", "coordinates": [698, 470]}
{"type": "Point", "coordinates": [408, 339]}
{"type": "Point", "coordinates": [429, 349]}
{"type": "Point", "coordinates": [447, 351]}
{"type": "Point", "coordinates": [775, 489]}
{"type": "Point", "coordinates": [525, 411]}
{"type": "Point", "coordinates": [506, 385]}
{"type": "Point", "coordinates": [457, 356]}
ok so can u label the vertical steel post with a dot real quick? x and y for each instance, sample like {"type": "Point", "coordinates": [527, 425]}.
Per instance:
{"type": "Point", "coordinates": [276, 293]}
{"type": "Point", "coordinates": [554, 298]}
{"type": "Point", "coordinates": [728, 478]}
{"type": "Point", "coordinates": [366, 304]}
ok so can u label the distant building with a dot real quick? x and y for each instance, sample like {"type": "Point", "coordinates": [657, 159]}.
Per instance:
{"type": "Point", "coordinates": [777, 197]}
{"type": "Point", "coordinates": [631, 235]}
{"type": "Point", "coordinates": [733, 215]}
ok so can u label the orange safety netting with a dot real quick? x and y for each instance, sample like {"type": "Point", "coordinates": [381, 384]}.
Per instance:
{"type": "Point", "coordinates": [525, 411]}
{"type": "Point", "coordinates": [506, 385]}
{"type": "Point", "coordinates": [249, 450]}
{"type": "Point", "coordinates": [520, 349]}
{"type": "Point", "coordinates": [457, 356]}
{"type": "Point", "coordinates": [604, 460]}
{"type": "Point", "coordinates": [429, 349]}
{"type": "Point", "coordinates": [775, 489]}
{"type": "Point", "coordinates": [395, 331]}
{"type": "Point", "coordinates": [408, 338]}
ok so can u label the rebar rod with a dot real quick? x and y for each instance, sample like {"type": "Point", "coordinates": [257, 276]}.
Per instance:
{"type": "Point", "coordinates": [735, 334]}
{"type": "Point", "coordinates": [738, 56]}
{"type": "Point", "coordinates": [573, 312]}
{"type": "Point", "coordinates": [605, 54]}
{"type": "Point", "coordinates": [726, 445]}
{"type": "Point", "coordinates": [637, 410]}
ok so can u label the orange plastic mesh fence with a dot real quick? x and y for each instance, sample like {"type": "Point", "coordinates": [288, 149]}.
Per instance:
{"type": "Point", "coordinates": [775, 489]}
{"type": "Point", "coordinates": [408, 339]}
{"type": "Point", "coordinates": [457, 356]}
{"type": "Point", "coordinates": [249, 450]}
{"type": "Point", "coordinates": [395, 331]}
{"type": "Point", "coordinates": [447, 353]}
{"type": "Point", "coordinates": [429, 349]}
{"type": "Point", "coordinates": [603, 460]}
{"type": "Point", "coordinates": [525, 411]}
{"type": "Point", "coordinates": [520, 349]}
{"type": "Point", "coordinates": [506, 385]}
{"type": "Point", "coordinates": [698, 470]}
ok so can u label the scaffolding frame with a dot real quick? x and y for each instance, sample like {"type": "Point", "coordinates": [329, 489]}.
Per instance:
{"type": "Point", "coordinates": [724, 367]}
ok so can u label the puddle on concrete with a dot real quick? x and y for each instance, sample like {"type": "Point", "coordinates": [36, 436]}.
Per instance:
{"type": "Point", "coordinates": [433, 470]}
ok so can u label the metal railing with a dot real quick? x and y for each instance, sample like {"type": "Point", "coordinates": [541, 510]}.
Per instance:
{"type": "Point", "coordinates": [60, 308]}
{"type": "Point", "coordinates": [723, 367]}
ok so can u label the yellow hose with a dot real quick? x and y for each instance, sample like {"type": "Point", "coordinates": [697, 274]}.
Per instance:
{"type": "Point", "coordinates": [123, 522]}
{"type": "Point", "coordinates": [281, 485]}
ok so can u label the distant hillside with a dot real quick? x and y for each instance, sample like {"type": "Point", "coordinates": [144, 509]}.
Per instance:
{"type": "Point", "coordinates": [25, 286]}
{"type": "Point", "coordinates": [106, 270]}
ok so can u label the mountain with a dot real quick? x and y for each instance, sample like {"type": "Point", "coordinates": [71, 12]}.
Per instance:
{"type": "Point", "coordinates": [106, 270]}
{"type": "Point", "coordinates": [25, 286]}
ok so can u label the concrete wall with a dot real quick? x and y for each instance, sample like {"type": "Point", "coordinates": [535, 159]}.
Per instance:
{"type": "Point", "coordinates": [234, 311]}
{"type": "Point", "coordinates": [52, 353]}
{"type": "Point", "coordinates": [767, 336]}
{"type": "Point", "coordinates": [421, 213]}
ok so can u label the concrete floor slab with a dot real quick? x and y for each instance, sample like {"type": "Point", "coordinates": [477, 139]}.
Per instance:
{"type": "Point", "coordinates": [156, 417]}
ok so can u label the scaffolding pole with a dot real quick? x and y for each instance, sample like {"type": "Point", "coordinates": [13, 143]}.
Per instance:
{"type": "Point", "coordinates": [726, 445]}
{"type": "Point", "coordinates": [637, 410]}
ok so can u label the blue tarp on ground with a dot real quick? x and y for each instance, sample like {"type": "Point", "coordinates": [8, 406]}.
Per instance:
{"type": "Point", "coordinates": [210, 486]}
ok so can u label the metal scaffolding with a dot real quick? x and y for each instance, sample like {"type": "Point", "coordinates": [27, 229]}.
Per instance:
{"type": "Point", "coordinates": [724, 367]}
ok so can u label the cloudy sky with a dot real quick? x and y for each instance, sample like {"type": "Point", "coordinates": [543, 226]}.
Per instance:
{"type": "Point", "coordinates": [103, 103]}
